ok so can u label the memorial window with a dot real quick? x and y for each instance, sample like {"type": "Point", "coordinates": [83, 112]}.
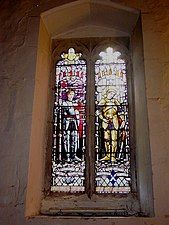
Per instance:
{"type": "Point", "coordinates": [92, 161]}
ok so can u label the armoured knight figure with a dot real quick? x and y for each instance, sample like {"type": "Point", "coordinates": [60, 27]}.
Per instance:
{"type": "Point", "coordinates": [111, 123]}
{"type": "Point", "coordinates": [70, 126]}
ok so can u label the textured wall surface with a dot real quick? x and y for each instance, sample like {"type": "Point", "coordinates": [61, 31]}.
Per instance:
{"type": "Point", "coordinates": [18, 49]}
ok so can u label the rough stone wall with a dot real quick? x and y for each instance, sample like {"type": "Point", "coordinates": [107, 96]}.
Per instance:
{"type": "Point", "coordinates": [18, 50]}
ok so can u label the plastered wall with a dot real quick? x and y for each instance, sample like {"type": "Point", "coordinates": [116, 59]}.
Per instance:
{"type": "Point", "coordinates": [19, 24]}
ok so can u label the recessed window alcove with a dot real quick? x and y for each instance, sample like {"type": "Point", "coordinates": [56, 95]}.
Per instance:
{"type": "Point", "coordinates": [80, 20]}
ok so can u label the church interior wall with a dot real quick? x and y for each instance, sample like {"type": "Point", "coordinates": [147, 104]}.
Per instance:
{"type": "Point", "coordinates": [18, 52]}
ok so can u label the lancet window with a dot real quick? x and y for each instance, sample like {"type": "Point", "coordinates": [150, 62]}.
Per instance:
{"type": "Point", "coordinates": [76, 166]}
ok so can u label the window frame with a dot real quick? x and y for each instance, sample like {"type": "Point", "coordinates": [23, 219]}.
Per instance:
{"type": "Point", "coordinates": [90, 203]}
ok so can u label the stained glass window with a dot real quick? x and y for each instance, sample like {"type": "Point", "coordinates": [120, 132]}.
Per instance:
{"type": "Point", "coordinates": [111, 124]}
{"type": "Point", "coordinates": [111, 137]}
{"type": "Point", "coordinates": [68, 157]}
